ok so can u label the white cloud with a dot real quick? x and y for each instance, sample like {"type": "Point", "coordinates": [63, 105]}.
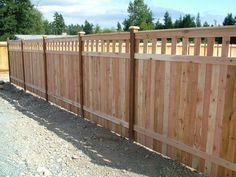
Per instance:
{"type": "Point", "coordinates": [103, 12]}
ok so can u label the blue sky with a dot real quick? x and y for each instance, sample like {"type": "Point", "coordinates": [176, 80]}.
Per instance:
{"type": "Point", "coordinates": [107, 12]}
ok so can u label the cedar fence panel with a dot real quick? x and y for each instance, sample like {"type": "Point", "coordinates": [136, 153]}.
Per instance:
{"type": "Point", "coordinates": [173, 91]}
{"type": "Point", "coordinates": [16, 64]}
{"type": "Point", "coordinates": [106, 68]}
{"type": "Point", "coordinates": [63, 72]}
{"type": "Point", "coordinates": [182, 101]}
{"type": "Point", "coordinates": [3, 57]}
{"type": "Point", "coordinates": [34, 67]}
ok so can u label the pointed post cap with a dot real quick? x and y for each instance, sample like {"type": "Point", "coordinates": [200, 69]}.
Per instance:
{"type": "Point", "coordinates": [81, 33]}
{"type": "Point", "coordinates": [134, 28]}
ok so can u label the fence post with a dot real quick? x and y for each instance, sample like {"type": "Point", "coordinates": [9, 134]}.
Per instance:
{"type": "Point", "coordinates": [45, 67]}
{"type": "Point", "coordinates": [81, 84]}
{"type": "Point", "coordinates": [23, 62]}
{"type": "Point", "coordinates": [133, 29]}
{"type": "Point", "coordinates": [8, 57]}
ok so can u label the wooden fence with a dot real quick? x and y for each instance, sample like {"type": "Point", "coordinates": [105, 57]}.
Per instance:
{"type": "Point", "coordinates": [179, 101]}
{"type": "Point", "coordinates": [3, 57]}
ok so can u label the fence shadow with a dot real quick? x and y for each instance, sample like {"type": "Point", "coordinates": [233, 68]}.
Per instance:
{"type": "Point", "coordinates": [100, 145]}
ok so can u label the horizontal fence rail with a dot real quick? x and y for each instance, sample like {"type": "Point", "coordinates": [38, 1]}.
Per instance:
{"type": "Point", "coordinates": [173, 91]}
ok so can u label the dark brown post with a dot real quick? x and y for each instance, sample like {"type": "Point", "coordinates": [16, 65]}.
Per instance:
{"type": "Point", "coordinates": [45, 67]}
{"type": "Point", "coordinates": [81, 84]}
{"type": "Point", "coordinates": [23, 63]}
{"type": "Point", "coordinates": [133, 29]}
{"type": "Point", "coordinates": [8, 55]}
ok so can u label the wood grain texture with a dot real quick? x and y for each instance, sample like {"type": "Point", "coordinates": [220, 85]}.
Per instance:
{"type": "Point", "coordinates": [173, 96]}
{"type": "Point", "coordinates": [4, 66]}
{"type": "Point", "coordinates": [228, 146]}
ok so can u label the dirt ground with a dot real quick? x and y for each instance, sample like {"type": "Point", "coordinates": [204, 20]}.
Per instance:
{"type": "Point", "coordinates": [39, 139]}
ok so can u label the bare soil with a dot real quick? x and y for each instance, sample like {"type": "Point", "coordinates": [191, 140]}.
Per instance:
{"type": "Point", "coordinates": [40, 139]}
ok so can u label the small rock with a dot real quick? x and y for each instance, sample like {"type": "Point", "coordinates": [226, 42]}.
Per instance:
{"type": "Point", "coordinates": [74, 157]}
{"type": "Point", "coordinates": [2, 82]}
{"type": "Point", "coordinates": [1, 87]}
{"type": "Point", "coordinates": [85, 138]}
{"type": "Point", "coordinates": [44, 171]}
{"type": "Point", "coordinates": [146, 156]}
{"type": "Point", "coordinates": [59, 160]}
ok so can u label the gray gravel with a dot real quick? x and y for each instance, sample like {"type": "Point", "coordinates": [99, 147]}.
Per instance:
{"type": "Point", "coordinates": [39, 139]}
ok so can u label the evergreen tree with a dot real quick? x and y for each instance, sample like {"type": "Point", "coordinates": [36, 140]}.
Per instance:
{"type": "Point", "coordinates": [19, 17]}
{"type": "Point", "coordinates": [167, 21]}
{"type": "Point", "coordinates": [88, 27]}
{"type": "Point", "coordinates": [229, 20]}
{"type": "Point", "coordinates": [188, 21]}
{"type": "Point", "coordinates": [205, 24]}
{"type": "Point", "coordinates": [119, 28]}
{"type": "Point", "coordinates": [198, 21]}
{"type": "Point", "coordinates": [139, 15]}
{"type": "Point", "coordinates": [48, 27]}
{"type": "Point", "coordinates": [97, 29]}
{"type": "Point", "coordinates": [159, 25]}
{"type": "Point", "coordinates": [36, 21]}
{"type": "Point", "coordinates": [178, 22]}
{"type": "Point", "coordinates": [58, 24]}
{"type": "Point", "coordinates": [73, 29]}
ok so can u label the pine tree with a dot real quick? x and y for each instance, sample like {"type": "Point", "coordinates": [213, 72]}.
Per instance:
{"type": "Point", "coordinates": [188, 21]}
{"type": "Point", "coordinates": [205, 24]}
{"type": "Point", "coordinates": [167, 21]}
{"type": "Point", "coordinates": [139, 15]}
{"type": "Point", "coordinates": [198, 20]}
{"type": "Point", "coordinates": [88, 27]}
{"type": "Point", "coordinates": [73, 29]}
{"type": "Point", "coordinates": [119, 28]}
{"type": "Point", "coordinates": [159, 25]}
{"type": "Point", "coordinates": [19, 17]}
{"type": "Point", "coordinates": [229, 20]}
{"type": "Point", "coordinates": [97, 29]}
{"type": "Point", "coordinates": [58, 24]}
{"type": "Point", "coordinates": [48, 27]}
{"type": "Point", "coordinates": [178, 22]}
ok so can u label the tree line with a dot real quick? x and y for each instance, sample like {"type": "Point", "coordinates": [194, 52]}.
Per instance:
{"type": "Point", "coordinates": [21, 17]}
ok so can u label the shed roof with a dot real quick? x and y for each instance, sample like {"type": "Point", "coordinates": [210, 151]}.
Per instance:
{"type": "Point", "coordinates": [29, 37]}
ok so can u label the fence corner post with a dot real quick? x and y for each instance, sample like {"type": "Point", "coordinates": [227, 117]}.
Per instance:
{"type": "Point", "coordinates": [23, 62]}
{"type": "Point", "coordinates": [45, 67]}
{"type": "Point", "coordinates": [133, 29]}
{"type": "Point", "coordinates": [8, 58]}
{"type": "Point", "coordinates": [81, 84]}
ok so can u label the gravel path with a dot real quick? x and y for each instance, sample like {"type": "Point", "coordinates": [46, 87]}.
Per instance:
{"type": "Point", "coordinates": [39, 139]}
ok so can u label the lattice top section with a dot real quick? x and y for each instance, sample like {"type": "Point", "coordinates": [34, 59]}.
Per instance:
{"type": "Point", "coordinates": [14, 45]}
{"type": "Point", "coordinates": [107, 43]}
{"type": "Point", "coordinates": [33, 45]}
{"type": "Point", "coordinates": [68, 44]}
{"type": "Point", "coordinates": [209, 42]}
{"type": "Point", "coordinates": [192, 41]}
